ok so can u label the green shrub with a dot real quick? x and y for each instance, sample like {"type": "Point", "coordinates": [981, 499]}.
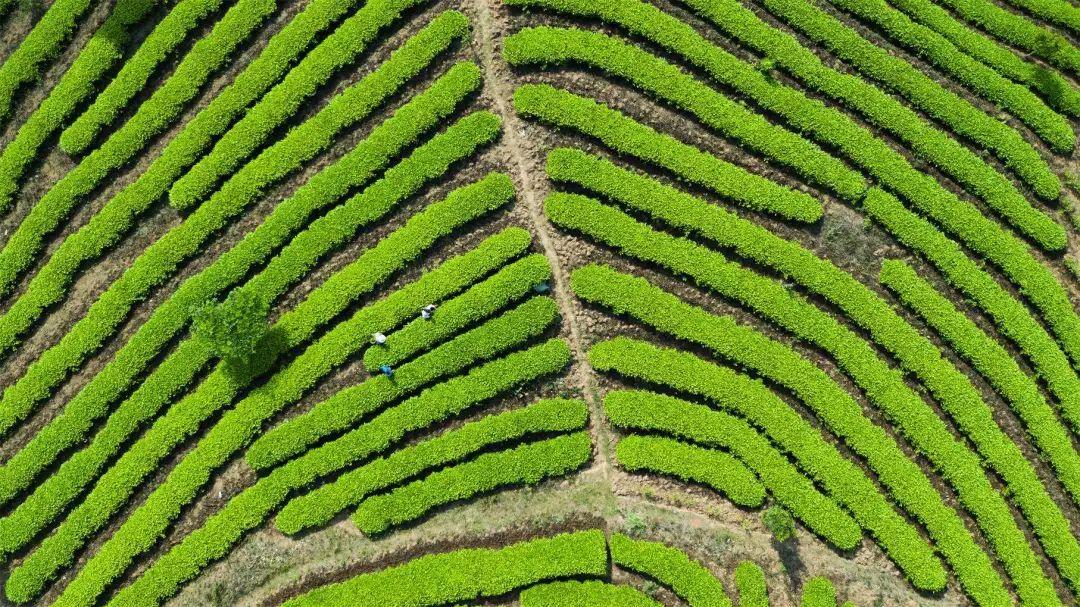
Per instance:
{"type": "Point", "coordinates": [27, 62]}
{"type": "Point", "coordinates": [584, 594]}
{"type": "Point", "coordinates": [779, 363]}
{"type": "Point", "coordinates": [923, 42]}
{"type": "Point", "coordinates": [818, 592]}
{"type": "Point", "coordinates": [233, 328]}
{"type": "Point", "coordinates": [341, 48]}
{"type": "Point", "coordinates": [1057, 91]}
{"type": "Point", "coordinates": [688, 579]}
{"type": "Point", "coordinates": [286, 156]}
{"type": "Point", "coordinates": [650, 412]}
{"type": "Point", "coordinates": [779, 523]}
{"type": "Point", "coordinates": [994, 363]}
{"type": "Point", "coordinates": [710, 467]}
{"type": "Point", "coordinates": [925, 140]}
{"type": "Point", "coordinates": [169, 33]}
{"type": "Point", "coordinates": [1019, 31]}
{"type": "Point", "coordinates": [468, 574]}
{"type": "Point", "coordinates": [479, 302]}
{"type": "Point", "coordinates": [49, 286]}
{"type": "Point", "coordinates": [337, 414]}
{"type": "Point", "coordinates": [750, 582]}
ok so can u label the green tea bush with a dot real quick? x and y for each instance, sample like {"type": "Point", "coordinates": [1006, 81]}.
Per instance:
{"type": "Point", "coordinates": [1015, 98]}
{"type": "Point", "coordinates": [882, 384]}
{"type": "Point", "coordinates": [710, 467]}
{"type": "Point", "coordinates": [750, 583]}
{"type": "Point", "coordinates": [1019, 31]}
{"type": "Point", "coordinates": [468, 574]}
{"type": "Point", "coordinates": [883, 111]}
{"type": "Point", "coordinates": [44, 42]}
{"type": "Point", "coordinates": [584, 594]}
{"type": "Point", "coordinates": [50, 285]}
{"type": "Point", "coordinates": [1055, 90]}
{"type": "Point", "coordinates": [688, 579]}
{"type": "Point", "coordinates": [427, 162]}
{"type": "Point", "coordinates": [777, 362]}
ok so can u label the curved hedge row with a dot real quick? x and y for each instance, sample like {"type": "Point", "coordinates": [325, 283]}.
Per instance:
{"type": "Point", "coordinates": [549, 46]}
{"type": "Point", "coordinates": [778, 362]}
{"type": "Point", "coordinates": [478, 303]}
{"type": "Point", "coordinates": [750, 583]}
{"type": "Point", "coordinates": [1060, 12]}
{"type": "Point", "coordinates": [220, 387]}
{"type": "Point", "coordinates": [655, 25]}
{"type": "Point", "coordinates": [641, 410]}
{"type": "Point", "coordinates": [882, 384]}
{"type": "Point", "coordinates": [710, 467]}
{"type": "Point", "coordinates": [463, 575]}
{"type": "Point", "coordinates": [153, 117]}
{"type": "Point", "coordinates": [104, 48]}
{"type": "Point", "coordinates": [1055, 90]}
{"type": "Point", "coordinates": [321, 505]}
{"type": "Point", "coordinates": [169, 33]}
{"type": "Point", "coordinates": [424, 164]}
{"type": "Point", "coordinates": [44, 42]}
{"type": "Point", "coordinates": [248, 510]}
{"type": "Point", "coordinates": [336, 414]}
{"type": "Point", "coordinates": [1010, 315]}
{"type": "Point", "coordinates": [1052, 128]}
{"type": "Point", "coordinates": [1018, 31]}
{"type": "Point", "coordinates": [994, 363]}
{"type": "Point", "coordinates": [688, 579]}
{"type": "Point", "coordinates": [627, 136]}
{"type": "Point", "coordinates": [49, 286]}
{"type": "Point", "coordinates": [928, 142]}
{"type": "Point", "coordinates": [938, 102]}
{"type": "Point", "coordinates": [338, 50]}
{"type": "Point", "coordinates": [584, 594]}
{"type": "Point", "coordinates": [164, 256]}
{"type": "Point", "coordinates": [526, 464]}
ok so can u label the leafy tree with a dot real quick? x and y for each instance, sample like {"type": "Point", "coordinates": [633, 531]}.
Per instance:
{"type": "Point", "coordinates": [779, 522]}
{"type": "Point", "coordinates": [234, 327]}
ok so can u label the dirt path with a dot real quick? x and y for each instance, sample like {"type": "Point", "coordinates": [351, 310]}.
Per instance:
{"type": "Point", "coordinates": [500, 89]}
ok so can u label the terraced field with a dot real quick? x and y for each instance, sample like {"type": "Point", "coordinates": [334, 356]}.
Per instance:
{"type": "Point", "coordinates": [546, 303]}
